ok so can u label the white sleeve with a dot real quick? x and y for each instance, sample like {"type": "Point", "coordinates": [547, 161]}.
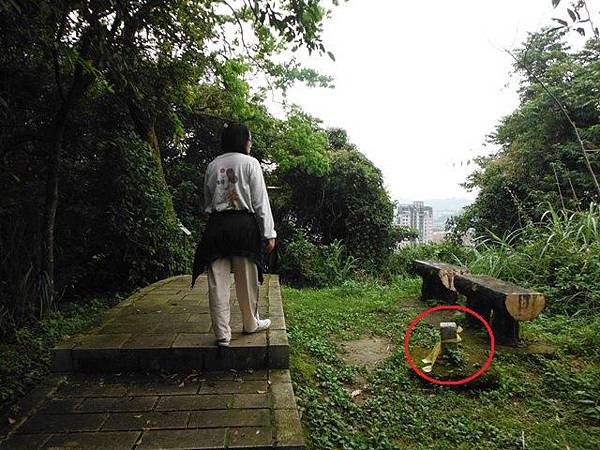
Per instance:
{"type": "Point", "coordinates": [260, 201]}
{"type": "Point", "coordinates": [207, 193]}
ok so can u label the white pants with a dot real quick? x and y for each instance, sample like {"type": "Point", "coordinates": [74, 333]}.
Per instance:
{"type": "Point", "coordinates": [246, 287]}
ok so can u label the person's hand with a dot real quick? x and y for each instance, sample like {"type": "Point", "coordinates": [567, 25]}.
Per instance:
{"type": "Point", "coordinates": [269, 245]}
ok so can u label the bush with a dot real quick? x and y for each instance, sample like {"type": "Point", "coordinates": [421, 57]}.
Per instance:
{"type": "Point", "coordinates": [306, 264]}
{"type": "Point", "coordinates": [25, 359]}
{"type": "Point", "coordinates": [559, 256]}
{"type": "Point", "coordinates": [400, 262]}
{"type": "Point", "coordinates": [348, 203]}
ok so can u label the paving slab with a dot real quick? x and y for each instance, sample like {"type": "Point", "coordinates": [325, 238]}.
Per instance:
{"type": "Point", "coordinates": [146, 420]}
{"type": "Point", "coordinates": [167, 326]}
{"type": "Point", "coordinates": [251, 438]}
{"type": "Point", "coordinates": [115, 439]}
{"type": "Point", "coordinates": [197, 439]}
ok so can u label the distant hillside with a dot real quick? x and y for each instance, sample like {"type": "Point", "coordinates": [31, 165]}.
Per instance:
{"type": "Point", "coordinates": [448, 204]}
{"type": "Point", "coordinates": [441, 204]}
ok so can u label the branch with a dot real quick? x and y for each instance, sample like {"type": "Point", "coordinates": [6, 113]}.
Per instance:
{"type": "Point", "coordinates": [594, 29]}
{"type": "Point", "coordinates": [566, 114]}
{"type": "Point", "coordinates": [260, 66]}
{"type": "Point", "coordinates": [54, 51]}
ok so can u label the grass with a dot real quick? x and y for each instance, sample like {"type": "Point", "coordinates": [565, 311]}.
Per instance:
{"type": "Point", "coordinates": [25, 357]}
{"type": "Point", "coordinates": [539, 402]}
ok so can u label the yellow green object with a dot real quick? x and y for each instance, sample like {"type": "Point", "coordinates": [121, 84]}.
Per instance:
{"type": "Point", "coordinates": [430, 359]}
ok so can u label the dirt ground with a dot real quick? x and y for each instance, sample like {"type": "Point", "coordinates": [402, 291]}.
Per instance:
{"type": "Point", "coordinates": [367, 351]}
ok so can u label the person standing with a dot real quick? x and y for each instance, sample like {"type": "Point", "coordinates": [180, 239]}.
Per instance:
{"type": "Point", "coordinates": [240, 227]}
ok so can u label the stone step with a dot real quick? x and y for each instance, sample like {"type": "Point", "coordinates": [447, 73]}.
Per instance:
{"type": "Point", "coordinates": [167, 326]}
{"type": "Point", "coordinates": [199, 410]}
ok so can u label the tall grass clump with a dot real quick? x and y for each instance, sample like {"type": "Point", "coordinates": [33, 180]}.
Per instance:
{"type": "Point", "coordinates": [559, 256]}
{"type": "Point", "coordinates": [400, 262]}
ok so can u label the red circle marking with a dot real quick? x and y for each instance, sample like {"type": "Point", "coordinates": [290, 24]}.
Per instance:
{"type": "Point", "coordinates": [455, 382]}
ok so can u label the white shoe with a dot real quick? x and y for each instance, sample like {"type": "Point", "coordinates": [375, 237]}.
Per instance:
{"type": "Point", "coordinates": [223, 342]}
{"type": "Point", "coordinates": [263, 324]}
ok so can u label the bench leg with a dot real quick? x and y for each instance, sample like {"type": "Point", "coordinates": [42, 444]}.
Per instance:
{"type": "Point", "coordinates": [480, 308]}
{"type": "Point", "coordinates": [505, 328]}
{"type": "Point", "coordinates": [433, 288]}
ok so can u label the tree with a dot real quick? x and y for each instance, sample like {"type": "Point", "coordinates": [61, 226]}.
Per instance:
{"type": "Point", "coordinates": [541, 159]}
{"type": "Point", "coordinates": [347, 202]}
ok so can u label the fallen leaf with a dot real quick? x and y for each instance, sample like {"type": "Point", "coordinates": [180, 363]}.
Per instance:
{"type": "Point", "coordinates": [182, 384]}
{"type": "Point", "coordinates": [356, 393]}
{"type": "Point", "coordinates": [261, 392]}
{"type": "Point", "coordinates": [12, 420]}
{"type": "Point", "coordinates": [257, 431]}
{"type": "Point", "coordinates": [138, 416]}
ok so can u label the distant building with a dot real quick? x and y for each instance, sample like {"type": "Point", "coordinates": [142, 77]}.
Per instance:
{"type": "Point", "coordinates": [418, 217]}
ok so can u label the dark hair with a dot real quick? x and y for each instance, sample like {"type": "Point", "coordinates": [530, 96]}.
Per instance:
{"type": "Point", "coordinates": [234, 138]}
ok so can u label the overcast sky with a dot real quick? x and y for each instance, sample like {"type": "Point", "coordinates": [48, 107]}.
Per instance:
{"type": "Point", "coordinates": [418, 85]}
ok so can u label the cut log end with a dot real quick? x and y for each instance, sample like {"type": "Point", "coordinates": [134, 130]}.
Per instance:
{"type": "Point", "coordinates": [523, 307]}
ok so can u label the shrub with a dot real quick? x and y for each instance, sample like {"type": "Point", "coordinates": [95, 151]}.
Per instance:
{"type": "Point", "coordinates": [559, 255]}
{"type": "Point", "coordinates": [400, 262]}
{"type": "Point", "coordinates": [304, 263]}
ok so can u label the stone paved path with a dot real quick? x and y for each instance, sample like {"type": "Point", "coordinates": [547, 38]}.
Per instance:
{"type": "Point", "coordinates": [202, 401]}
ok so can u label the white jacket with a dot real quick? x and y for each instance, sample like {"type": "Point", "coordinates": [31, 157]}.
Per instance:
{"type": "Point", "coordinates": [235, 181]}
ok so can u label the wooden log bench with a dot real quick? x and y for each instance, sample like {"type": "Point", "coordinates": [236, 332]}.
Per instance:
{"type": "Point", "coordinates": [438, 280]}
{"type": "Point", "coordinates": [500, 303]}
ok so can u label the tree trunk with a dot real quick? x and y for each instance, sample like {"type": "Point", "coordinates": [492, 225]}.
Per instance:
{"type": "Point", "coordinates": [144, 127]}
{"type": "Point", "coordinates": [51, 206]}
{"type": "Point", "coordinates": [81, 82]}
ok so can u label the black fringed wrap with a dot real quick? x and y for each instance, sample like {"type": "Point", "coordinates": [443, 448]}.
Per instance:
{"type": "Point", "coordinates": [229, 233]}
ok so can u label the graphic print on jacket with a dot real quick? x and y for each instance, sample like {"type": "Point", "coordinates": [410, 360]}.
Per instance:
{"type": "Point", "coordinates": [226, 194]}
